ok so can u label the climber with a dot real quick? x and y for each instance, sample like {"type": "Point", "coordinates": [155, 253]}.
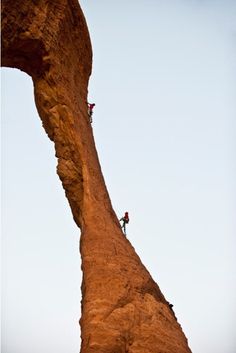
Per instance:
{"type": "Point", "coordinates": [90, 111]}
{"type": "Point", "coordinates": [171, 308]}
{"type": "Point", "coordinates": [125, 221]}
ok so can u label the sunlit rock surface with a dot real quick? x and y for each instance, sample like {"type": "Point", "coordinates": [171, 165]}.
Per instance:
{"type": "Point", "coordinates": [123, 309]}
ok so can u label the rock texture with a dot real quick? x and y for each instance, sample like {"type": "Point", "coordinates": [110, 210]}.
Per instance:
{"type": "Point", "coordinates": [123, 309]}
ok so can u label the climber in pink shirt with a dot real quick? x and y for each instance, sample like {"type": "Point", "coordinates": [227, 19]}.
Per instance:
{"type": "Point", "coordinates": [90, 111]}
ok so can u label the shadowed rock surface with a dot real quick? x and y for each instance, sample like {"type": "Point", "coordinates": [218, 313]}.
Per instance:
{"type": "Point", "coordinates": [123, 309]}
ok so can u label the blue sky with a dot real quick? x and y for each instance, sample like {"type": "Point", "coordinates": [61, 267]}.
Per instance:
{"type": "Point", "coordinates": [164, 124]}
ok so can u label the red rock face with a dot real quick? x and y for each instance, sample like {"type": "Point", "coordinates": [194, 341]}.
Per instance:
{"type": "Point", "coordinates": [123, 309]}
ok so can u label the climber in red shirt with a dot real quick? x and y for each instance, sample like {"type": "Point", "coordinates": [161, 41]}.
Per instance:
{"type": "Point", "coordinates": [90, 111]}
{"type": "Point", "coordinates": [125, 221]}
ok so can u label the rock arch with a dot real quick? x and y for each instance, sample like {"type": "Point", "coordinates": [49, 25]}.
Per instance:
{"type": "Point", "coordinates": [123, 309]}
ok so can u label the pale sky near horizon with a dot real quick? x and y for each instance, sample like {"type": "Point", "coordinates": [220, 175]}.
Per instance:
{"type": "Point", "coordinates": [163, 82]}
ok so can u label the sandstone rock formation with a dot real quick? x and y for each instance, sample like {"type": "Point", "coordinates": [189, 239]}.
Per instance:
{"type": "Point", "coordinates": [123, 309]}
